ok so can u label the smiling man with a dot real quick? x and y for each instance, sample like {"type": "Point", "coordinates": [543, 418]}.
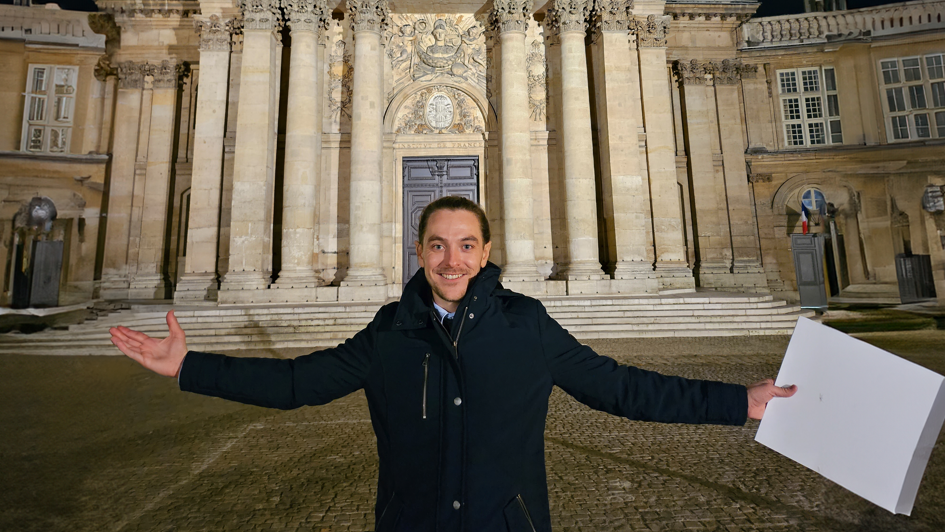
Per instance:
{"type": "Point", "coordinates": [458, 410]}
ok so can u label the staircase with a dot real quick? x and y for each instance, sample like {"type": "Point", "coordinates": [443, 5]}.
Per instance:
{"type": "Point", "coordinates": [212, 328]}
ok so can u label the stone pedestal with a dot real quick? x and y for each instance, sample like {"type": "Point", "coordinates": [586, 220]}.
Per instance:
{"type": "Point", "coordinates": [569, 20]}
{"type": "Point", "coordinates": [671, 265]}
{"type": "Point", "coordinates": [510, 20]}
{"type": "Point", "coordinates": [121, 181]}
{"type": "Point", "coordinates": [302, 148]}
{"type": "Point", "coordinates": [367, 148]}
{"type": "Point", "coordinates": [199, 279]}
{"type": "Point", "coordinates": [250, 264]}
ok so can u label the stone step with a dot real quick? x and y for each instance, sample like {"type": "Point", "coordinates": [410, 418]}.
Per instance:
{"type": "Point", "coordinates": [318, 326]}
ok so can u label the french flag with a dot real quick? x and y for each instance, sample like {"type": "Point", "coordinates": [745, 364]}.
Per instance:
{"type": "Point", "coordinates": [804, 213]}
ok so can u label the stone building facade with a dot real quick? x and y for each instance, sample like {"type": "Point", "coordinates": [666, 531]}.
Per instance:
{"type": "Point", "coordinates": [269, 151]}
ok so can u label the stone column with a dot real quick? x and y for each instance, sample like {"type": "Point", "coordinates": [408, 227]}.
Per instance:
{"type": "Point", "coordinates": [302, 144]}
{"type": "Point", "coordinates": [121, 181]}
{"type": "Point", "coordinates": [746, 254]}
{"type": "Point", "coordinates": [368, 19]}
{"type": "Point", "coordinates": [510, 20]}
{"type": "Point", "coordinates": [250, 264]}
{"type": "Point", "coordinates": [199, 278]}
{"type": "Point", "coordinates": [569, 18]}
{"type": "Point", "coordinates": [712, 267]}
{"type": "Point", "coordinates": [150, 279]}
{"type": "Point", "coordinates": [621, 178]}
{"type": "Point", "coordinates": [671, 267]}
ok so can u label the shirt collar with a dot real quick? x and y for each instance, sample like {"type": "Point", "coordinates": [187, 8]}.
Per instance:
{"type": "Point", "coordinates": [442, 312]}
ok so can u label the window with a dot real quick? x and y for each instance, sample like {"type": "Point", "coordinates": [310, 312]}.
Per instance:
{"type": "Point", "coordinates": [810, 106]}
{"type": "Point", "coordinates": [814, 200]}
{"type": "Point", "coordinates": [914, 86]}
{"type": "Point", "coordinates": [48, 113]}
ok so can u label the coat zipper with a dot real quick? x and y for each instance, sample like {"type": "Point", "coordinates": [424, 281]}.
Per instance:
{"type": "Point", "coordinates": [426, 373]}
{"type": "Point", "coordinates": [524, 509]}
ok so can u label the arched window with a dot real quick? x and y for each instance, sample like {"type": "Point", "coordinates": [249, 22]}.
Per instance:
{"type": "Point", "coordinates": [814, 200]}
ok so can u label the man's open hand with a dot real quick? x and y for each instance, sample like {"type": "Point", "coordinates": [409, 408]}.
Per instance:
{"type": "Point", "coordinates": [760, 393]}
{"type": "Point", "coordinates": [160, 356]}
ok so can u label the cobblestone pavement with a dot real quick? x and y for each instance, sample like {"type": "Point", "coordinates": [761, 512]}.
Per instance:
{"type": "Point", "coordinates": [99, 444]}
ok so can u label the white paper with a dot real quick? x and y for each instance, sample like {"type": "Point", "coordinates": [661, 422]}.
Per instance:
{"type": "Point", "coordinates": [862, 417]}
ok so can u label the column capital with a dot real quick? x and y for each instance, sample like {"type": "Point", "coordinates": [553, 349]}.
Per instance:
{"type": "Point", "coordinates": [692, 72]}
{"type": "Point", "coordinates": [215, 33]}
{"type": "Point", "coordinates": [167, 74]}
{"type": "Point", "coordinates": [610, 15]}
{"type": "Point", "coordinates": [368, 15]}
{"type": "Point", "coordinates": [569, 16]}
{"type": "Point", "coordinates": [261, 15]}
{"type": "Point", "coordinates": [651, 32]}
{"type": "Point", "coordinates": [131, 75]}
{"type": "Point", "coordinates": [511, 15]}
{"type": "Point", "coordinates": [307, 15]}
{"type": "Point", "coordinates": [726, 72]}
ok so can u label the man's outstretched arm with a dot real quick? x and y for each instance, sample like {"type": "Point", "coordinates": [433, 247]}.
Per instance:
{"type": "Point", "coordinates": [317, 378]}
{"type": "Point", "coordinates": [163, 357]}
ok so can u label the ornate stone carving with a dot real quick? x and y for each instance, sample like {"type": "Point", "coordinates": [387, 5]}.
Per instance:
{"type": "Point", "coordinates": [726, 72]}
{"type": "Point", "coordinates": [610, 15]}
{"type": "Point", "coordinates": [167, 74]}
{"type": "Point", "coordinates": [748, 71]}
{"type": "Point", "coordinates": [760, 178]}
{"type": "Point", "coordinates": [692, 73]}
{"type": "Point", "coordinates": [215, 34]}
{"type": "Point", "coordinates": [424, 48]}
{"type": "Point", "coordinates": [104, 24]}
{"type": "Point", "coordinates": [131, 75]}
{"type": "Point", "coordinates": [439, 110]}
{"type": "Point", "coordinates": [537, 68]}
{"type": "Point", "coordinates": [137, 11]}
{"type": "Point", "coordinates": [104, 68]}
{"type": "Point", "coordinates": [651, 33]}
{"type": "Point", "coordinates": [368, 15]}
{"type": "Point", "coordinates": [261, 15]}
{"type": "Point", "coordinates": [306, 15]}
{"type": "Point", "coordinates": [511, 15]}
{"type": "Point", "coordinates": [569, 15]}
{"type": "Point", "coordinates": [340, 81]}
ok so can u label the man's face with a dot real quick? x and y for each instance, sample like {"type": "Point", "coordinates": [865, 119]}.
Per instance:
{"type": "Point", "coordinates": [451, 254]}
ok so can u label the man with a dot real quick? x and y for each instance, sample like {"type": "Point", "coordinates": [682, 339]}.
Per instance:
{"type": "Point", "coordinates": [457, 377]}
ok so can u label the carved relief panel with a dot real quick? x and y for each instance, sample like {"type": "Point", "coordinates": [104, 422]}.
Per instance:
{"type": "Point", "coordinates": [427, 48]}
{"type": "Point", "coordinates": [439, 109]}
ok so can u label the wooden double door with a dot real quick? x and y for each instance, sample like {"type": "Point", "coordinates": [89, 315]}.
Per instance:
{"type": "Point", "coordinates": [427, 179]}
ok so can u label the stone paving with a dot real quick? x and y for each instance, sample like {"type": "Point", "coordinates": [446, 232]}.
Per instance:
{"type": "Point", "coordinates": [97, 443]}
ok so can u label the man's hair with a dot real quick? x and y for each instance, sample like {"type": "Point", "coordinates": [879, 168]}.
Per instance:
{"type": "Point", "coordinates": [455, 203]}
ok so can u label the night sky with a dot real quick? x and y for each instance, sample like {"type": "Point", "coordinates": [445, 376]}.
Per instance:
{"type": "Point", "coordinates": [767, 9]}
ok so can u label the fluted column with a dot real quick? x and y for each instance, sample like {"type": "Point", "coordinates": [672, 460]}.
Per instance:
{"type": "Point", "coordinates": [302, 144]}
{"type": "Point", "coordinates": [671, 264]}
{"type": "Point", "coordinates": [368, 18]}
{"type": "Point", "coordinates": [199, 279]}
{"type": "Point", "coordinates": [115, 274]}
{"type": "Point", "coordinates": [621, 178]}
{"type": "Point", "coordinates": [250, 264]}
{"type": "Point", "coordinates": [746, 265]}
{"type": "Point", "coordinates": [510, 20]}
{"type": "Point", "coordinates": [150, 279]}
{"type": "Point", "coordinates": [707, 211]}
{"type": "Point", "coordinates": [569, 19]}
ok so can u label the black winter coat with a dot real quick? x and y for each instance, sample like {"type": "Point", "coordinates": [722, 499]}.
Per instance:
{"type": "Point", "coordinates": [460, 421]}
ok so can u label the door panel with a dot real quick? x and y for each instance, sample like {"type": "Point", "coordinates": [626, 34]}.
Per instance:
{"type": "Point", "coordinates": [427, 179]}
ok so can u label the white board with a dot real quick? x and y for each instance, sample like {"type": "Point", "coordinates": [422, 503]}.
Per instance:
{"type": "Point", "coordinates": [862, 417]}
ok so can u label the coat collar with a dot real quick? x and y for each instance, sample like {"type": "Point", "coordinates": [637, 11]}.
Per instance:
{"type": "Point", "coordinates": [416, 303]}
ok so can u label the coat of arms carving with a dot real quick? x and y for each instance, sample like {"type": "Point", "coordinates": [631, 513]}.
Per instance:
{"type": "Point", "coordinates": [423, 48]}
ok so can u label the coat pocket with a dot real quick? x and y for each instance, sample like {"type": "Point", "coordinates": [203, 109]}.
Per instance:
{"type": "Point", "coordinates": [390, 516]}
{"type": "Point", "coordinates": [517, 517]}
